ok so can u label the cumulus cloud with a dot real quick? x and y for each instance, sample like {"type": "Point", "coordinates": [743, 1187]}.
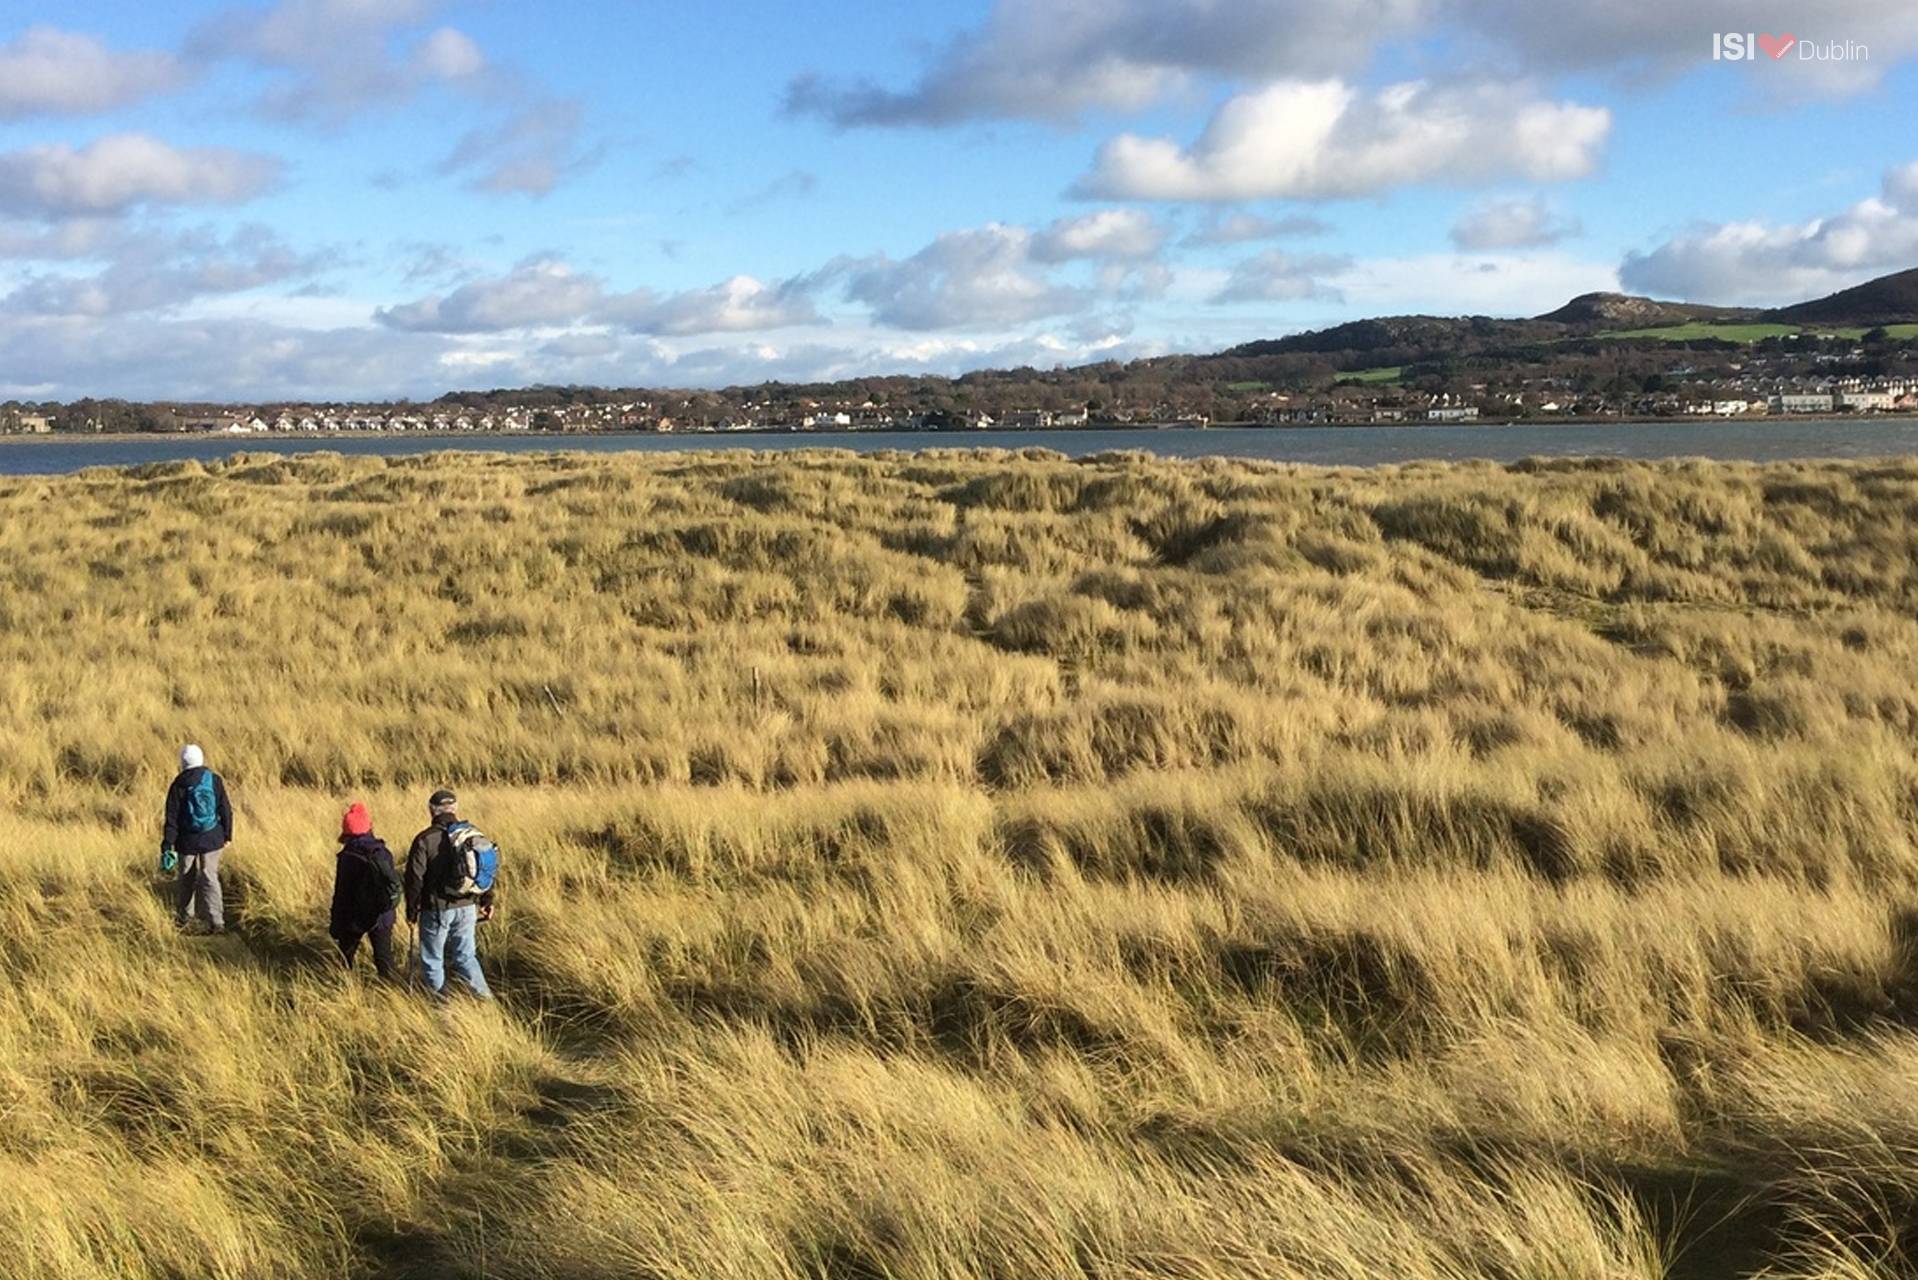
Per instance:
{"type": "Point", "coordinates": [1108, 234]}
{"type": "Point", "coordinates": [448, 54]}
{"type": "Point", "coordinates": [124, 170]}
{"type": "Point", "coordinates": [1512, 224]}
{"type": "Point", "coordinates": [335, 59]}
{"type": "Point", "coordinates": [1761, 263]}
{"type": "Point", "coordinates": [1053, 59]}
{"type": "Point", "coordinates": [1278, 276]}
{"type": "Point", "coordinates": [529, 151]}
{"type": "Point", "coordinates": [35, 240]}
{"type": "Point", "coordinates": [545, 292]}
{"type": "Point", "coordinates": [1325, 139]}
{"type": "Point", "coordinates": [739, 305]}
{"type": "Point", "coordinates": [539, 292]}
{"type": "Point", "coordinates": [1668, 38]}
{"type": "Point", "coordinates": [1241, 227]}
{"type": "Point", "coordinates": [980, 277]}
{"type": "Point", "coordinates": [156, 271]}
{"type": "Point", "coordinates": [47, 71]}
{"type": "Point", "coordinates": [159, 357]}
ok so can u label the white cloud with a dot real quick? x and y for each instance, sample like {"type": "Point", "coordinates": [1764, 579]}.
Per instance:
{"type": "Point", "coordinates": [338, 58]}
{"type": "Point", "coordinates": [34, 240]}
{"type": "Point", "coordinates": [47, 71]}
{"type": "Point", "coordinates": [1241, 227]}
{"type": "Point", "coordinates": [528, 152]}
{"type": "Point", "coordinates": [123, 170]}
{"type": "Point", "coordinates": [1108, 234]}
{"type": "Point", "coordinates": [1053, 59]}
{"type": "Point", "coordinates": [739, 305]}
{"type": "Point", "coordinates": [546, 293]}
{"type": "Point", "coordinates": [1326, 139]}
{"type": "Point", "coordinates": [448, 54]}
{"type": "Point", "coordinates": [538, 293]}
{"type": "Point", "coordinates": [1759, 263]}
{"type": "Point", "coordinates": [1512, 224]}
{"type": "Point", "coordinates": [334, 60]}
{"type": "Point", "coordinates": [161, 271]}
{"type": "Point", "coordinates": [152, 357]}
{"type": "Point", "coordinates": [1493, 284]}
{"type": "Point", "coordinates": [985, 276]}
{"type": "Point", "coordinates": [1278, 276]}
{"type": "Point", "coordinates": [1638, 35]}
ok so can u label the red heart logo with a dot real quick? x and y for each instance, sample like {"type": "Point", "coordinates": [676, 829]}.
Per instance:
{"type": "Point", "coordinates": [1776, 45]}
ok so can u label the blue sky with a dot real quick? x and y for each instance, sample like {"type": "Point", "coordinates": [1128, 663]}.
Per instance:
{"type": "Point", "coordinates": [342, 199]}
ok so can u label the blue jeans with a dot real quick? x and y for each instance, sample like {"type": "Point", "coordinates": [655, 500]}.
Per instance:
{"type": "Point", "coordinates": [448, 938]}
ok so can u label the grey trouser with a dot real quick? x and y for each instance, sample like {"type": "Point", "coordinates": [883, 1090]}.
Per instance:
{"type": "Point", "coordinates": [200, 887]}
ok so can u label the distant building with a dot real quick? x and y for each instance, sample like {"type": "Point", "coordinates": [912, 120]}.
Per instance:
{"type": "Point", "coordinates": [1452, 413]}
{"type": "Point", "coordinates": [1802, 402]}
{"type": "Point", "coordinates": [1867, 401]}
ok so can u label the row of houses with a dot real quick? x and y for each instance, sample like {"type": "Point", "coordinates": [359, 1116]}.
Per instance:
{"type": "Point", "coordinates": [1872, 401]}
{"type": "Point", "coordinates": [318, 423]}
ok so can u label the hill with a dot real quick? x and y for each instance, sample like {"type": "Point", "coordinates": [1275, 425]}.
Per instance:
{"type": "Point", "coordinates": [1891, 299]}
{"type": "Point", "coordinates": [1628, 311]}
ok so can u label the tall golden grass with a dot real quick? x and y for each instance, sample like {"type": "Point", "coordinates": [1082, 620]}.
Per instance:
{"type": "Point", "coordinates": [960, 864]}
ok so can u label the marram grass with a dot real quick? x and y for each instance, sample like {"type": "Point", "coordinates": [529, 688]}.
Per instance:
{"type": "Point", "coordinates": [975, 865]}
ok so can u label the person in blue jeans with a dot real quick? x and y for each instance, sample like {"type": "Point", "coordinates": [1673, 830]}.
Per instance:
{"type": "Point", "coordinates": [448, 920]}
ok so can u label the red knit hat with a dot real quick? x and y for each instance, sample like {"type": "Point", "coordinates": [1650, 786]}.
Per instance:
{"type": "Point", "coordinates": [358, 822]}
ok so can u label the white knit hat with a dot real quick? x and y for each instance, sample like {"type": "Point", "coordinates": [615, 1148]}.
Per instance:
{"type": "Point", "coordinates": [191, 757]}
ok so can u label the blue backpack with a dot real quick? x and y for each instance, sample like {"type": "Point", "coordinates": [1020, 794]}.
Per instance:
{"type": "Point", "coordinates": [471, 862]}
{"type": "Point", "coordinates": [202, 805]}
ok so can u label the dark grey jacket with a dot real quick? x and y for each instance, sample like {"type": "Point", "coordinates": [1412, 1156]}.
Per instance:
{"type": "Point", "coordinates": [177, 835]}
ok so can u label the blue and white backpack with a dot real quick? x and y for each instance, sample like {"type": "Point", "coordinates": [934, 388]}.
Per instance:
{"type": "Point", "coordinates": [471, 862]}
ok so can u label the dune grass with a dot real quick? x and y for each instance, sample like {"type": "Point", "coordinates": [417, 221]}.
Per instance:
{"type": "Point", "coordinates": [964, 864]}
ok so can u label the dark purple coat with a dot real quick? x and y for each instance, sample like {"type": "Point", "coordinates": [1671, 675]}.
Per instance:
{"type": "Point", "coordinates": [361, 858]}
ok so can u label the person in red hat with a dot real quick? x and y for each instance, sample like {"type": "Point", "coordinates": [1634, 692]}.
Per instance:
{"type": "Point", "coordinates": [366, 888]}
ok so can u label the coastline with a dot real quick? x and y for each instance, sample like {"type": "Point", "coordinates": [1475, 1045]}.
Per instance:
{"type": "Point", "coordinates": [1487, 424]}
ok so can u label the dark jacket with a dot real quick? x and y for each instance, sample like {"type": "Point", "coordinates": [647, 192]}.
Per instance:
{"type": "Point", "coordinates": [361, 858]}
{"type": "Point", "coordinates": [177, 837]}
{"type": "Point", "coordinates": [428, 846]}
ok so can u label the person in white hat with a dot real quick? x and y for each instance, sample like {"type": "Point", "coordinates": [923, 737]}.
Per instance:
{"type": "Point", "coordinates": [199, 826]}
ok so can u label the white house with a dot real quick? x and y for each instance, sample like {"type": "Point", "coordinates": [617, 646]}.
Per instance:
{"type": "Point", "coordinates": [1800, 402]}
{"type": "Point", "coordinates": [1867, 401]}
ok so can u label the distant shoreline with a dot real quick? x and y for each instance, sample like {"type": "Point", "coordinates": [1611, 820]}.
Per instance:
{"type": "Point", "coordinates": [560, 437]}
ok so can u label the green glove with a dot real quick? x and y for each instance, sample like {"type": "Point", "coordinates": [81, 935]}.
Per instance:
{"type": "Point", "coordinates": [169, 862]}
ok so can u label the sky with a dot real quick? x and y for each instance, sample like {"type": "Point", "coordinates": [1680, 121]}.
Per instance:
{"type": "Point", "coordinates": [370, 199]}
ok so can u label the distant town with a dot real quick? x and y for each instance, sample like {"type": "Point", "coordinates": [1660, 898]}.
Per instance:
{"type": "Point", "coordinates": [1480, 402]}
{"type": "Point", "coordinates": [1599, 357]}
